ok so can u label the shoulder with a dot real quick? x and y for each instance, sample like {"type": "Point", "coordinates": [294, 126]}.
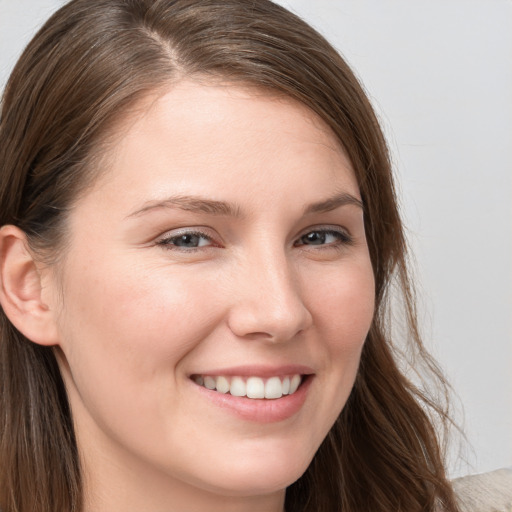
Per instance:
{"type": "Point", "coordinates": [488, 492]}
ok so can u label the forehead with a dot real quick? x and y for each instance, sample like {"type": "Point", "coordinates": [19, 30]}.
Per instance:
{"type": "Point", "coordinates": [215, 134]}
{"type": "Point", "coordinates": [195, 107]}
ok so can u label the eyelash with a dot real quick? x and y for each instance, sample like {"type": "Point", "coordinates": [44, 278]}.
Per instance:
{"type": "Point", "coordinates": [343, 239]}
{"type": "Point", "coordinates": [169, 242]}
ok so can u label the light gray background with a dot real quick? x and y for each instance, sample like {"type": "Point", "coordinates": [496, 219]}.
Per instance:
{"type": "Point", "coordinates": [439, 73]}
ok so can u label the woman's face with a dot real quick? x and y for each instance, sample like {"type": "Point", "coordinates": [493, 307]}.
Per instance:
{"type": "Point", "coordinates": [223, 245]}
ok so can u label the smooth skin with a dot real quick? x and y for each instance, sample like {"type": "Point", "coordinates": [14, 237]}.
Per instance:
{"type": "Point", "coordinates": [225, 229]}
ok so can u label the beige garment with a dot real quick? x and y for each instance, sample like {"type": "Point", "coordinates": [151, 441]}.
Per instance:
{"type": "Point", "coordinates": [488, 492]}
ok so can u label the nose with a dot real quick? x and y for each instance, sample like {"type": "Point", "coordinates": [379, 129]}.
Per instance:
{"type": "Point", "coordinates": [267, 300]}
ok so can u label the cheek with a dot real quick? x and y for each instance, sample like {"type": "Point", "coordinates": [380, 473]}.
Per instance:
{"type": "Point", "coordinates": [131, 304]}
{"type": "Point", "coordinates": [342, 302]}
{"type": "Point", "coordinates": [123, 344]}
{"type": "Point", "coordinates": [341, 299]}
{"type": "Point", "coordinates": [135, 329]}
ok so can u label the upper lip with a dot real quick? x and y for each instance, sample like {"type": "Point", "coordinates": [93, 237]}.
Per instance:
{"type": "Point", "coordinates": [263, 371]}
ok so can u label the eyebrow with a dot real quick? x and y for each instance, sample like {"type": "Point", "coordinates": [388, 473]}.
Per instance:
{"type": "Point", "coordinates": [214, 207]}
{"type": "Point", "coordinates": [191, 204]}
{"type": "Point", "coordinates": [333, 202]}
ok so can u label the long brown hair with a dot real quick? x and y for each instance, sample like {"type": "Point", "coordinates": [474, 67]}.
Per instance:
{"type": "Point", "coordinates": [90, 62]}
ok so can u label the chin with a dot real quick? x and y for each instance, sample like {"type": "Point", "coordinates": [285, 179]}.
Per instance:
{"type": "Point", "coordinates": [265, 474]}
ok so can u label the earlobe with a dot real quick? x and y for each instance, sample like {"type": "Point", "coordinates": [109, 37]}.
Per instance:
{"type": "Point", "coordinates": [21, 294]}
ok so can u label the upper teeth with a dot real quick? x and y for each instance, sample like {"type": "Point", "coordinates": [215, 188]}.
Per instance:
{"type": "Point", "coordinates": [251, 387]}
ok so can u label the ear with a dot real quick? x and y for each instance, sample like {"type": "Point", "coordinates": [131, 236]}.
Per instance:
{"type": "Point", "coordinates": [21, 290]}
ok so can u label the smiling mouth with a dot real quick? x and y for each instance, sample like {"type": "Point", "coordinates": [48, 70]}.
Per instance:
{"type": "Point", "coordinates": [251, 387]}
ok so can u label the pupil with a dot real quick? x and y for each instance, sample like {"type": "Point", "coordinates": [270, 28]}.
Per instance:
{"type": "Point", "coordinates": [188, 241]}
{"type": "Point", "coordinates": [315, 238]}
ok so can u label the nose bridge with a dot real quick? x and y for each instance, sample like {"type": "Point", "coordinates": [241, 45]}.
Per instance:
{"type": "Point", "coordinates": [269, 302]}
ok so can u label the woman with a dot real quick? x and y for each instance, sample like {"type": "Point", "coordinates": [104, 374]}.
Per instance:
{"type": "Point", "coordinates": [199, 236]}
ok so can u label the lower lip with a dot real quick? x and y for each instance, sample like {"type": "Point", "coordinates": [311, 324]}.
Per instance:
{"type": "Point", "coordinates": [260, 410]}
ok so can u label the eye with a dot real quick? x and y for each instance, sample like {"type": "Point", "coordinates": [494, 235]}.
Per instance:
{"type": "Point", "coordinates": [186, 240]}
{"type": "Point", "coordinates": [330, 237]}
